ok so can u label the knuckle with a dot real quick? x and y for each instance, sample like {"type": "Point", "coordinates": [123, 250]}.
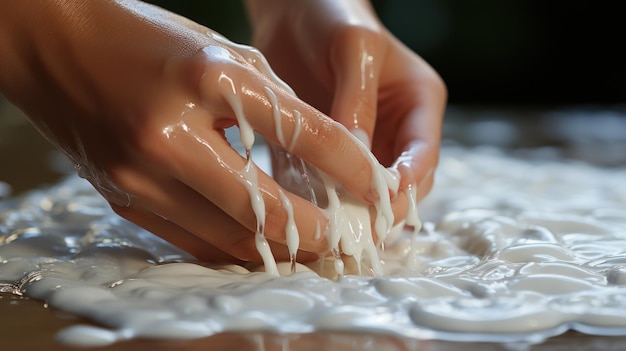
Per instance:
{"type": "Point", "coordinates": [436, 84]}
{"type": "Point", "coordinates": [206, 83]}
{"type": "Point", "coordinates": [152, 144]}
{"type": "Point", "coordinates": [275, 221]}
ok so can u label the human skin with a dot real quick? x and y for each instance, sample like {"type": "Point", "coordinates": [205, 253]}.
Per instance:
{"type": "Point", "coordinates": [338, 57]}
{"type": "Point", "coordinates": [133, 95]}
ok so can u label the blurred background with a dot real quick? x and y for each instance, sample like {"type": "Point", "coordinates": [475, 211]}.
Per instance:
{"type": "Point", "coordinates": [528, 52]}
{"type": "Point", "coordinates": [521, 74]}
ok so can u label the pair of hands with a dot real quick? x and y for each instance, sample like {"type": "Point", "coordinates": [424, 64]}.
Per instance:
{"type": "Point", "coordinates": [134, 96]}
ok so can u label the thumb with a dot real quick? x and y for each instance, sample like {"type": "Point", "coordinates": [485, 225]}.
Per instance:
{"type": "Point", "coordinates": [356, 60]}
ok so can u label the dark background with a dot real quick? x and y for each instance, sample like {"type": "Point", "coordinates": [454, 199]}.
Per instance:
{"type": "Point", "coordinates": [490, 52]}
{"type": "Point", "coordinates": [520, 74]}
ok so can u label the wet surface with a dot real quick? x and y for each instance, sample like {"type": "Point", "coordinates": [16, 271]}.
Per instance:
{"type": "Point", "coordinates": [596, 135]}
{"type": "Point", "coordinates": [28, 325]}
{"type": "Point", "coordinates": [593, 134]}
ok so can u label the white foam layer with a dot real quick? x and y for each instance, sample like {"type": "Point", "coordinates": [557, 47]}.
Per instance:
{"type": "Point", "coordinates": [510, 250]}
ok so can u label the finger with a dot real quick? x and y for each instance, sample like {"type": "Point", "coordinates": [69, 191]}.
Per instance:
{"type": "Point", "coordinates": [174, 202]}
{"type": "Point", "coordinates": [399, 206]}
{"type": "Point", "coordinates": [284, 119]}
{"type": "Point", "coordinates": [425, 187]}
{"type": "Point", "coordinates": [174, 234]}
{"type": "Point", "coordinates": [193, 215]}
{"type": "Point", "coordinates": [356, 62]}
{"type": "Point", "coordinates": [201, 159]}
{"type": "Point", "coordinates": [421, 109]}
{"type": "Point", "coordinates": [417, 162]}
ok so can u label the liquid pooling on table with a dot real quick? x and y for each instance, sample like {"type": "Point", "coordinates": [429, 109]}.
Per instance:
{"type": "Point", "coordinates": [510, 250]}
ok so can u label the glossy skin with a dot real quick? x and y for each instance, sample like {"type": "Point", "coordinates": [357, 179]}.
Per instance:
{"type": "Point", "coordinates": [338, 57]}
{"type": "Point", "coordinates": [134, 96]}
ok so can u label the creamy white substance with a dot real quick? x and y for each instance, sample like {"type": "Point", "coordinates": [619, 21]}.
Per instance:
{"type": "Point", "coordinates": [350, 231]}
{"type": "Point", "coordinates": [510, 250]}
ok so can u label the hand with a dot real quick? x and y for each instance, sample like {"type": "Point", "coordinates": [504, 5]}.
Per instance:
{"type": "Point", "coordinates": [138, 98]}
{"type": "Point", "coordinates": [339, 58]}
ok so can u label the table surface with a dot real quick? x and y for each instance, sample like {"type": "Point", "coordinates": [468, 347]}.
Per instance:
{"type": "Point", "coordinates": [28, 325]}
{"type": "Point", "coordinates": [26, 160]}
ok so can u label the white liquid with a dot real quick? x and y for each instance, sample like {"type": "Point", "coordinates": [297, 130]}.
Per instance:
{"type": "Point", "coordinates": [349, 219]}
{"type": "Point", "coordinates": [511, 250]}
